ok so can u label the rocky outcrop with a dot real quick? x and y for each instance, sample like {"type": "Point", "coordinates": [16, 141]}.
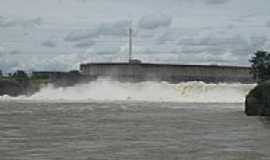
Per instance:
{"type": "Point", "coordinates": [22, 85]}
{"type": "Point", "coordinates": [11, 88]}
{"type": "Point", "coordinates": [18, 87]}
{"type": "Point", "coordinates": [258, 100]}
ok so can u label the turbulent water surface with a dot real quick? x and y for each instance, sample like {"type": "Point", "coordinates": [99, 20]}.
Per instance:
{"type": "Point", "coordinates": [108, 90]}
{"type": "Point", "coordinates": [47, 126]}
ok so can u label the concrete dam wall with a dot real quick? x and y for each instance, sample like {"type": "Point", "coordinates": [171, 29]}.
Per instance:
{"type": "Point", "coordinates": [167, 72]}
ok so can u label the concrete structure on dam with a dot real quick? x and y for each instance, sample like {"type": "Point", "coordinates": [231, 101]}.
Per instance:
{"type": "Point", "coordinates": [167, 72]}
{"type": "Point", "coordinates": [134, 70]}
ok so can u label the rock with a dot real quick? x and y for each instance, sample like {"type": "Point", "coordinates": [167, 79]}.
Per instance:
{"type": "Point", "coordinates": [11, 88]}
{"type": "Point", "coordinates": [258, 100]}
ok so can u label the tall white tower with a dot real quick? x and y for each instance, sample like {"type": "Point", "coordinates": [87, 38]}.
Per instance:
{"type": "Point", "coordinates": [130, 44]}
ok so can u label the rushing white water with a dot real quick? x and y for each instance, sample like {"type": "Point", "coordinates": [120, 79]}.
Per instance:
{"type": "Point", "coordinates": [107, 90]}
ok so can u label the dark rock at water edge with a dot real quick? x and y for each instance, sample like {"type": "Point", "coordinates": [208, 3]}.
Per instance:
{"type": "Point", "coordinates": [17, 87]}
{"type": "Point", "coordinates": [11, 88]}
{"type": "Point", "coordinates": [258, 100]}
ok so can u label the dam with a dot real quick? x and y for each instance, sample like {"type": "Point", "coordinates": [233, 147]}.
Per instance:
{"type": "Point", "coordinates": [135, 70]}
{"type": "Point", "coordinates": [172, 73]}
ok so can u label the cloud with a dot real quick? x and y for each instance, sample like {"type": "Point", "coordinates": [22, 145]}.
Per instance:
{"type": "Point", "coordinates": [234, 49]}
{"type": "Point", "coordinates": [267, 24]}
{"type": "Point", "coordinates": [216, 2]}
{"type": "Point", "coordinates": [105, 51]}
{"type": "Point", "coordinates": [6, 22]}
{"type": "Point", "coordinates": [2, 50]}
{"type": "Point", "coordinates": [49, 44]}
{"type": "Point", "coordinates": [204, 51]}
{"type": "Point", "coordinates": [81, 35]}
{"type": "Point", "coordinates": [118, 28]}
{"type": "Point", "coordinates": [188, 34]}
{"type": "Point", "coordinates": [215, 41]}
{"type": "Point", "coordinates": [166, 36]}
{"type": "Point", "coordinates": [154, 21]}
{"type": "Point", "coordinates": [81, 1]}
{"type": "Point", "coordinates": [14, 52]}
{"type": "Point", "coordinates": [257, 42]}
{"type": "Point", "coordinates": [59, 62]}
{"type": "Point", "coordinates": [84, 44]}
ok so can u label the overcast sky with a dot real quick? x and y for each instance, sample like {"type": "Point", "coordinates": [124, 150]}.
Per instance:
{"type": "Point", "coordinates": [61, 34]}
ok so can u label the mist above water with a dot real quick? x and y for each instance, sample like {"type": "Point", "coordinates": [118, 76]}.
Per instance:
{"type": "Point", "coordinates": [108, 90]}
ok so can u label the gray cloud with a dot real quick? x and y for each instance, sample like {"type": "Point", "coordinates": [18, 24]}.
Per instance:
{"type": "Point", "coordinates": [224, 42]}
{"type": "Point", "coordinates": [6, 22]}
{"type": "Point", "coordinates": [154, 21]}
{"type": "Point", "coordinates": [14, 52]}
{"type": "Point", "coordinates": [2, 50]}
{"type": "Point", "coordinates": [104, 51]}
{"type": "Point", "coordinates": [81, 1]}
{"type": "Point", "coordinates": [49, 44]}
{"type": "Point", "coordinates": [194, 31]}
{"type": "Point", "coordinates": [85, 44]}
{"type": "Point", "coordinates": [232, 48]}
{"type": "Point", "coordinates": [216, 2]}
{"type": "Point", "coordinates": [267, 24]}
{"type": "Point", "coordinates": [119, 28]}
{"type": "Point", "coordinates": [81, 35]}
{"type": "Point", "coordinates": [166, 36]}
{"type": "Point", "coordinates": [257, 42]}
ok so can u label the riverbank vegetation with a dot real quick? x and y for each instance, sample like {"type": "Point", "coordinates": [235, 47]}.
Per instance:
{"type": "Point", "coordinates": [20, 82]}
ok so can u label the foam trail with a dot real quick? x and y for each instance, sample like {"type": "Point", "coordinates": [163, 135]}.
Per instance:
{"type": "Point", "coordinates": [107, 90]}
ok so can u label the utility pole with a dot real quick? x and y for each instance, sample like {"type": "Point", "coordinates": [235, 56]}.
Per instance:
{"type": "Point", "coordinates": [130, 44]}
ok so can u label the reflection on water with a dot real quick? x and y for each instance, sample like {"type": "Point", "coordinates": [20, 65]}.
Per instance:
{"type": "Point", "coordinates": [125, 130]}
{"type": "Point", "coordinates": [265, 121]}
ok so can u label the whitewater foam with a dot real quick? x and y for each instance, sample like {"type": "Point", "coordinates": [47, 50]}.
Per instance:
{"type": "Point", "coordinates": [108, 90]}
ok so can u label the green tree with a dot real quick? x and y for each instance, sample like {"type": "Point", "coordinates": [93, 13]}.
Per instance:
{"type": "Point", "coordinates": [20, 75]}
{"type": "Point", "coordinates": [74, 72]}
{"type": "Point", "coordinates": [260, 66]}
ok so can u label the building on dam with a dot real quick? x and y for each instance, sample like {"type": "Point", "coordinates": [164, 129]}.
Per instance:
{"type": "Point", "coordinates": [167, 72]}
{"type": "Point", "coordinates": [135, 70]}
